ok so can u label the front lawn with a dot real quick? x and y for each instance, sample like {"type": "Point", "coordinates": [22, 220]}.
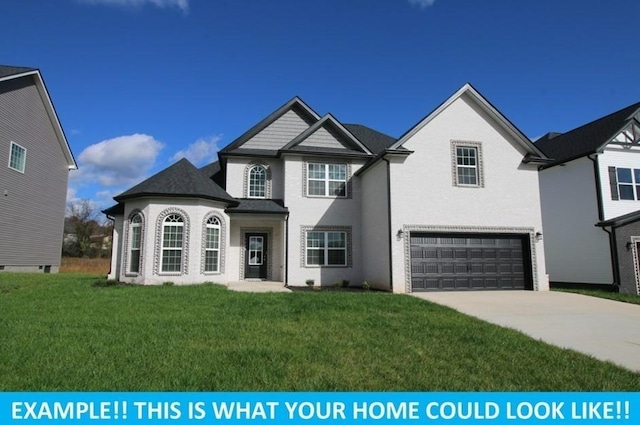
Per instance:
{"type": "Point", "coordinates": [61, 332]}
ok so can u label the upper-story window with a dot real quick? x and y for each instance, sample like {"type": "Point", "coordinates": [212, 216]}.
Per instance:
{"type": "Point", "coordinates": [257, 182]}
{"type": "Point", "coordinates": [326, 179]}
{"type": "Point", "coordinates": [467, 164]}
{"type": "Point", "coordinates": [17, 157]}
{"type": "Point", "coordinates": [628, 183]}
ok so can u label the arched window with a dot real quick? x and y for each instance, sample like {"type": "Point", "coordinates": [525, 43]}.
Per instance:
{"type": "Point", "coordinates": [172, 243]}
{"type": "Point", "coordinates": [257, 182]}
{"type": "Point", "coordinates": [135, 243]}
{"type": "Point", "coordinates": [212, 245]}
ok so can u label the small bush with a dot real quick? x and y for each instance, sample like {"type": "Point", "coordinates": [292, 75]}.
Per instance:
{"type": "Point", "coordinates": [103, 283]}
{"type": "Point", "coordinates": [366, 286]}
{"type": "Point", "coordinates": [345, 283]}
{"type": "Point", "coordinates": [167, 283]}
{"type": "Point", "coordinates": [310, 282]}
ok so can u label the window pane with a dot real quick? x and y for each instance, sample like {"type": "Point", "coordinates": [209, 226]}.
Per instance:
{"type": "Point", "coordinates": [636, 175]}
{"type": "Point", "coordinates": [135, 237]}
{"type": "Point", "coordinates": [316, 188]}
{"type": "Point", "coordinates": [626, 191]}
{"type": "Point", "coordinates": [171, 260]}
{"type": "Point", "coordinates": [337, 172]}
{"type": "Point", "coordinates": [317, 171]}
{"type": "Point", "coordinates": [172, 237]}
{"type": "Point", "coordinates": [337, 188]}
{"type": "Point", "coordinates": [211, 261]}
{"type": "Point", "coordinates": [315, 257]}
{"type": "Point", "coordinates": [213, 238]}
{"type": "Point", "coordinates": [134, 265]}
{"type": "Point", "coordinates": [337, 257]}
{"type": "Point", "coordinates": [638, 192]}
{"type": "Point", "coordinates": [315, 240]}
{"type": "Point", "coordinates": [624, 175]}
{"type": "Point", "coordinates": [467, 175]}
{"type": "Point", "coordinates": [336, 240]}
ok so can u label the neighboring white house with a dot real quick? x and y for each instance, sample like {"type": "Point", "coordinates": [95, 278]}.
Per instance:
{"type": "Point", "coordinates": [35, 160]}
{"type": "Point", "coordinates": [591, 202]}
{"type": "Point", "coordinates": [453, 204]}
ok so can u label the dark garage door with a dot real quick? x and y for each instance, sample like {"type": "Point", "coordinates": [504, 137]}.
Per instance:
{"type": "Point", "coordinates": [441, 262]}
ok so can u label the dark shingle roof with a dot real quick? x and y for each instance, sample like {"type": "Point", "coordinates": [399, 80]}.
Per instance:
{"type": "Point", "coordinates": [6, 70]}
{"type": "Point", "coordinates": [375, 141]}
{"type": "Point", "coordinates": [621, 220]}
{"type": "Point", "coordinates": [586, 139]}
{"type": "Point", "coordinates": [265, 206]}
{"type": "Point", "coordinates": [117, 209]}
{"type": "Point", "coordinates": [181, 179]}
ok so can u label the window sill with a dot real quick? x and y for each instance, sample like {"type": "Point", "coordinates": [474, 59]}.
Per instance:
{"type": "Point", "coordinates": [312, 266]}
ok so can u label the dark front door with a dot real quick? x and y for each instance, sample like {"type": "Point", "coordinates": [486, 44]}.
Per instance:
{"type": "Point", "coordinates": [255, 256]}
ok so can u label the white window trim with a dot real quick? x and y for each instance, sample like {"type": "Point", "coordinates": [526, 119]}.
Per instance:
{"type": "Point", "coordinates": [205, 249]}
{"type": "Point", "coordinates": [264, 189]}
{"type": "Point", "coordinates": [24, 164]}
{"type": "Point", "coordinates": [633, 184]}
{"type": "Point", "coordinates": [247, 177]}
{"type": "Point", "coordinates": [455, 144]}
{"type": "Point", "coordinates": [347, 180]}
{"type": "Point", "coordinates": [139, 225]}
{"type": "Point", "coordinates": [157, 268]}
{"type": "Point", "coordinates": [347, 230]}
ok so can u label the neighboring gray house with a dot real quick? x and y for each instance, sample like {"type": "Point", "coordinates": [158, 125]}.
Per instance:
{"type": "Point", "coordinates": [591, 202]}
{"type": "Point", "coordinates": [35, 160]}
{"type": "Point", "coordinates": [453, 204]}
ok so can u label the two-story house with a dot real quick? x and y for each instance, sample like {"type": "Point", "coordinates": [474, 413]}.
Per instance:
{"type": "Point", "coordinates": [35, 160]}
{"type": "Point", "coordinates": [453, 204]}
{"type": "Point", "coordinates": [590, 202]}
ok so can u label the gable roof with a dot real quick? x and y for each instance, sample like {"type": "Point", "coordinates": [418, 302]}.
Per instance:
{"type": "Point", "coordinates": [586, 139]}
{"type": "Point", "coordinates": [295, 103]}
{"type": "Point", "coordinates": [12, 72]}
{"type": "Point", "coordinates": [481, 101]}
{"type": "Point", "coordinates": [328, 121]}
{"type": "Point", "coordinates": [375, 141]}
{"type": "Point", "coordinates": [181, 179]}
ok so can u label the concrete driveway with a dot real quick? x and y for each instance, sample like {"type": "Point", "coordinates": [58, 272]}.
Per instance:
{"type": "Point", "coordinates": [606, 330]}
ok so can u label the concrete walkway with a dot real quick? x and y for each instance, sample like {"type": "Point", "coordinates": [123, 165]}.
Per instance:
{"type": "Point", "coordinates": [257, 286]}
{"type": "Point", "coordinates": [604, 329]}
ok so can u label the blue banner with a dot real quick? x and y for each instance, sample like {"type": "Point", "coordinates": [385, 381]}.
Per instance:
{"type": "Point", "coordinates": [319, 408]}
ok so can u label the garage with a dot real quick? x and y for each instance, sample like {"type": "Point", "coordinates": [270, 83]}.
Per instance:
{"type": "Point", "coordinates": [460, 262]}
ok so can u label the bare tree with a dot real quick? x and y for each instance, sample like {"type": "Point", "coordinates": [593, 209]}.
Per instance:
{"type": "Point", "coordinates": [83, 218]}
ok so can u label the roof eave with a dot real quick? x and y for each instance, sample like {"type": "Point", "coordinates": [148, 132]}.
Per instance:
{"type": "Point", "coordinates": [122, 198]}
{"type": "Point", "coordinates": [377, 158]}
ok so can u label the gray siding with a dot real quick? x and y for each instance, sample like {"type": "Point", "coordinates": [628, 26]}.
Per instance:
{"type": "Point", "coordinates": [279, 133]}
{"type": "Point", "coordinates": [323, 138]}
{"type": "Point", "coordinates": [32, 205]}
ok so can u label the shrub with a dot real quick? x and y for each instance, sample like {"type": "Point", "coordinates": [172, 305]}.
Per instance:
{"type": "Point", "coordinates": [310, 282]}
{"type": "Point", "coordinates": [167, 283]}
{"type": "Point", "coordinates": [366, 286]}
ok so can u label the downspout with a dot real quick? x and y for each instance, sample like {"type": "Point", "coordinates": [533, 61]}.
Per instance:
{"type": "Point", "coordinates": [286, 250]}
{"type": "Point", "coordinates": [612, 237]}
{"type": "Point", "coordinates": [389, 222]}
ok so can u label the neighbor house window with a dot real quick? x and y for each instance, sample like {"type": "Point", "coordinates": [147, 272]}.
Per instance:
{"type": "Point", "coordinates": [17, 157]}
{"type": "Point", "coordinates": [212, 245]}
{"type": "Point", "coordinates": [628, 183]}
{"type": "Point", "coordinates": [467, 164]}
{"type": "Point", "coordinates": [172, 243]}
{"type": "Point", "coordinates": [135, 243]}
{"type": "Point", "coordinates": [257, 182]}
{"type": "Point", "coordinates": [326, 248]}
{"type": "Point", "coordinates": [326, 179]}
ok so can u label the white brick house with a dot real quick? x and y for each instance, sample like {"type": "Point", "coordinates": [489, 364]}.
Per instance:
{"type": "Point", "coordinates": [453, 204]}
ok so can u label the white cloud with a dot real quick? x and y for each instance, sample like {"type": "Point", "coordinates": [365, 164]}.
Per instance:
{"type": "Point", "coordinates": [181, 4]}
{"type": "Point", "coordinates": [124, 160]}
{"type": "Point", "coordinates": [201, 152]}
{"type": "Point", "coordinates": [422, 3]}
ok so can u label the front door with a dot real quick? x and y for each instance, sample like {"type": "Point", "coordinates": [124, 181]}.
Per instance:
{"type": "Point", "coordinates": [255, 256]}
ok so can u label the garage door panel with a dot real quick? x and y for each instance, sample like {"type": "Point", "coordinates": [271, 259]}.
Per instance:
{"type": "Point", "coordinates": [472, 262]}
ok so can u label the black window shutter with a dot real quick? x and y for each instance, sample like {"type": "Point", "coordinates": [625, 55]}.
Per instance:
{"type": "Point", "coordinates": [613, 182]}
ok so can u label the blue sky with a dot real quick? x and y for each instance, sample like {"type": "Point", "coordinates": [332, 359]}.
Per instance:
{"type": "Point", "coordinates": [137, 84]}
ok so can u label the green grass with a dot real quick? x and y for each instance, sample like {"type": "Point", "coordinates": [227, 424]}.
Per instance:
{"type": "Point", "coordinates": [626, 298]}
{"type": "Point", "coordinates": [62, 332]}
